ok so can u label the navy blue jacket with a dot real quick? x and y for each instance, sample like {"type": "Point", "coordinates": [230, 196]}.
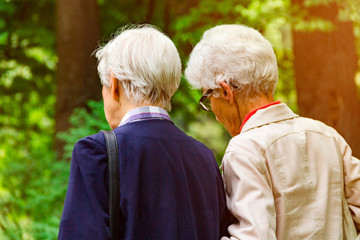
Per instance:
{"type": "Point", "coordinates": [170, 186]}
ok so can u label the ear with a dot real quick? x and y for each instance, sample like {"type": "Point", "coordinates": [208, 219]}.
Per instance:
{"type": "Point", "coordinates": [226, 92]}
{"type": "Point", "coordinates": [115, 88]}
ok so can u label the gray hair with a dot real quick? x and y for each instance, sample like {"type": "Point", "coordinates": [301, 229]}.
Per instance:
{"type": "Point", "coordinates": [235, 54]}
{"type": "Point", "coordinates": [146, 63]}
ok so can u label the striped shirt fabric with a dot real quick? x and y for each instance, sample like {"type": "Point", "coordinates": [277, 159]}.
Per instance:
{"type": "Point", "coordinates": [144, 113]}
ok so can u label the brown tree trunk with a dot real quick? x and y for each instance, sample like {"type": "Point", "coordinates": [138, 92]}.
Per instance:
{"type": "Point", "coordinates": [78, 33]}
{"type": "Point", "coordinates": [325, 68]}
{"type": "Point", "coordinates": [167, 16]}
{"type": "Point", "coordinates": [150, 11]}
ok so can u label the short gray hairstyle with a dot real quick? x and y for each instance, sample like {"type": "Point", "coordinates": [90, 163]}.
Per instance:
{"type": "Point", "coordinates": [146, 63]}
{"type": "Point", "coordinates": [237, 54]}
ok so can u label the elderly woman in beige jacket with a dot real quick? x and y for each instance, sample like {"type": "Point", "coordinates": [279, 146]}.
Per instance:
{"type": "Point", "coordinates": [286, 176]}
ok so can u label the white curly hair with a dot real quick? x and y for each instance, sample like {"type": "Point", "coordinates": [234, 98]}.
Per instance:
{"type": "Point", "coordinates": [236, 54]}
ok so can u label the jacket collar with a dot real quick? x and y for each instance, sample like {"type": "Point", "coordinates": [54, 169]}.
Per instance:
{"type": "Point", "coordinates": [274, 113]}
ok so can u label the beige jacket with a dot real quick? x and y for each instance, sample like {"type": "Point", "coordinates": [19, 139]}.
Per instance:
{"type": "Point", "coordinates": [283, 178]}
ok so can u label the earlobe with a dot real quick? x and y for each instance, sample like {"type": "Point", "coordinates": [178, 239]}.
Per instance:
{"type": "Point", "coordinates": [226, 92]}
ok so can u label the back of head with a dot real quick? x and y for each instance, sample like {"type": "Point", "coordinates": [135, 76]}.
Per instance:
{"type": "Point", "coordinates": [237, 54]}
{"type": "Point", "coordinates": [145, 61]}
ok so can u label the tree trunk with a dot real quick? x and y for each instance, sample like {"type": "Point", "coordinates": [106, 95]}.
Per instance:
{"type": "Point", "coordinates": [150, 11]}
{"type": "Point", "coordinates": [78, 33]}
{"type": "Point", "coordinates": [325, 68]}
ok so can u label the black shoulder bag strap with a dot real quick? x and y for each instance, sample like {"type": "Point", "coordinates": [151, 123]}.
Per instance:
{"type": "Point", "coordinates": [114, 183]}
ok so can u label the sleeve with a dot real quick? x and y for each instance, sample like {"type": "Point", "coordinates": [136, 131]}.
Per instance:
{"type": "Point", "coordinates": [249, 198]}
{"type": "Point", "coordinates": [85, 214]}
{"type": "Point", "coordinates": [225, 216]}
{"type": "Point", "coordinates": [352, 183]}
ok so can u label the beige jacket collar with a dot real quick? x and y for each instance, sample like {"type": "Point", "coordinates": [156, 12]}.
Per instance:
{"type": "Point", "coordinates": [274, 113]}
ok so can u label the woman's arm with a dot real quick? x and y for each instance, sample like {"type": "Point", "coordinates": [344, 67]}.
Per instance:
{"type": "Point", "coordinates": [85, 214]}
{"type": "Point", "coordinates": [352, 182]}
{"type": "Point", "coordinates": [249, 198]}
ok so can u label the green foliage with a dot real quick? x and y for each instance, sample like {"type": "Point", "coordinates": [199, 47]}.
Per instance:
{"type": "Point", "coordinates": [84, 122]}
{"type": "Point", "coordinates": [32, 188]}
{"type": "Point", "coordinates": [351, 12]}
{"type": "Point", "coordinates": [32, 182]}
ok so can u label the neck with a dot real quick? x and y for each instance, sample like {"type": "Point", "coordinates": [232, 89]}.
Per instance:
{"type": "Point", "coordinates": [250, 105]}
{"type": "Point", "coordinates": [128, 106]}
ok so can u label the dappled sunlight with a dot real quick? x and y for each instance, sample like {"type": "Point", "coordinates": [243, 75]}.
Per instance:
{"type": "Point", "coordinates": [50, 92]}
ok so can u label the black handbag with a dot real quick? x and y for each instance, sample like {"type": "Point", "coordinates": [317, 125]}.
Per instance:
{"type": "Point", "coordinates": [114, 183]}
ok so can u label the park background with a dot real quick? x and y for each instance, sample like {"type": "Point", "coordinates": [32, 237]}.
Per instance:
{"type": "Point", "coordinates": [50, 94]}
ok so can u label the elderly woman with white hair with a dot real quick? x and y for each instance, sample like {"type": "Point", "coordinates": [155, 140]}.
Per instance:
{"type": "Point", "coordinates": [286, 177]}
{"type": "Point", "coordinates": [170, 184]}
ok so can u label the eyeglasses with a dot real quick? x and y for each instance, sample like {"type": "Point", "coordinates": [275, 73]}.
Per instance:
{"type": "Point", "coordinates": [204, 101]}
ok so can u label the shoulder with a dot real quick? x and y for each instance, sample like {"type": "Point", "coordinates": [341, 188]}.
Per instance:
{"type": "Point", "coordinates": [243, 149]}
{"type": "Point", "coordinates": [260, 138]}
{"type": "Point", "coordinates": [161, 129]}
{"type": "Point", "coordinates": [203, 148]}
{"type": "Point", "coordinates": [153, 127]}
{"type": "Point", "coordinates": [253, 144]}
{"type": "Point", "coordinates": [194, 143]}
{"type": "Point", "coordinates": [317, 126]}
{"type": "Point", "coordinates": [90, 151]}
{"type": "Point", "coordinates": [96, 141]}
{"type": "Point", "coordinates": [246, 144]}
{"type": "Point", "coordinates": [153, 133]}
{"type": "Point", "coordinates": [327, 131]}
{"type": "Point", "coordinates": [320, 128]}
